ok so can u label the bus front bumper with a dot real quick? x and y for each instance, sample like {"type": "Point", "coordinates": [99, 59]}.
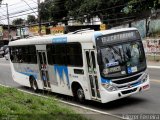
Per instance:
{"type": "Point", "coordinates": [107, 96]}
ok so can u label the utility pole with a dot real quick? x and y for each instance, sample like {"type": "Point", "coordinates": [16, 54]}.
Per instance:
{"type": "Point", "coordinates": [8, 22]}
{"type": "Point", "coordinates": [39, 17]}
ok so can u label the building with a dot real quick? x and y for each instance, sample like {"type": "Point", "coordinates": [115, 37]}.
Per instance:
{"type": "Point", "coordinates": [4, 34]}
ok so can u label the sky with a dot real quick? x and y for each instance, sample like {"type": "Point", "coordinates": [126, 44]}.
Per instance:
{"type": "Point", "coordinates": [17, 9]}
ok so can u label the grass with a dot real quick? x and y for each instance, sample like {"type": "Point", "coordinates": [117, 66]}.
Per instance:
{"type": "Point", "coordinates": [16, 105]}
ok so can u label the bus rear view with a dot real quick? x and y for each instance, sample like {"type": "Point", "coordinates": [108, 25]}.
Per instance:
{"type": "Point", "coordinates": [122, 64]}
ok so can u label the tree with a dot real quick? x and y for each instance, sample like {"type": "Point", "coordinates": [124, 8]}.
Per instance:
{"type": "Point", "coordinates": [53, 10]}
{"type": "Point", "coordinates": [18, 21]}
{"type": "Point", "coordinates": [91, 8]}
{"type": "Point", "coordinates": [31, 19]}
{"type": "Point", "coordinates": [138, 6]}
{"type": "Point", "coordinates": [110, 11]}
{"type": "Point", "coordinates": [45, 10]}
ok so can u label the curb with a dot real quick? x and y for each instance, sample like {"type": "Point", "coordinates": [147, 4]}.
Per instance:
{"type": "Point", "coordinates": [154, 67]}
{"type": "Point", "coordinates": [71, 104]}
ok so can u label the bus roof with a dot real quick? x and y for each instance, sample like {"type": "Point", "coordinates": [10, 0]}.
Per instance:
{"type": "Point", "coordinates": [83, 37]}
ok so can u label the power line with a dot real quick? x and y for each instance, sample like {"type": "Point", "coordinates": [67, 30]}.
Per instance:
{"type": "Point", "coordinates": [3, 15]}
{"type": "Point", "coordinates": [22, 6]}
{"type": "Point", "coordinates": [18, 15]}
{"type": "Point", "coordinates": [3, 9]}
{"type": "Point", "coordinates": [1, 21]}
{"type": "Point", "coordinates": [18, 12]}
{"type": "Point", "coordinates": [18, 3]}
{"type": "Point", "coordinates": [22, 11]}
{"type": "Point", "coordinates": [34, 1]}
{"type": "Point", "coordinates": [30, 7]}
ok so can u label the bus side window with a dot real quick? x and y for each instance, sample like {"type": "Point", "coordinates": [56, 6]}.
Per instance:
{"type": "Point", "coordinates": [56, 54]}
{"type": "Point", "coordinates": [93, 61]}
{"type": "Point", "coordinates": [69, 54]}
{"type": "Point", "coordinates": [50, 52]}
{"type": "Point", "coordinates": [88, 61]}
{"type": "Point", "coordinates": [12, 53]}
{"type": "Point", "coordinates": [23, 54]}
{"type": "Point", "coordinates": [20, 54]}
{"type": "Point", "coordinates": [60, 54]}
{"type": "Point", "coordinates": [74, 54]}
{"type": "Point", "coordinates": [15, 54]}
{"type": "Point", "coordinates": [32, 54]}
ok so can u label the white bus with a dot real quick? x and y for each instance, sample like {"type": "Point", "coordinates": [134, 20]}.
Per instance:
{"type": "Point", "coordinates": [94, 65]}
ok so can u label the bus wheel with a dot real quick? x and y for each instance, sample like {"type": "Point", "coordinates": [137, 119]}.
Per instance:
{"type": "Point", "coordinates": [34, 85]}
{"type": "Point", "coordinates": [80, 94]}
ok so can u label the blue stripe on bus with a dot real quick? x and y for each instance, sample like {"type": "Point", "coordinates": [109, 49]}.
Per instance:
{"type": "Point", "coordinates": [30, 74]}
{"type": "Point", "coordinates": [60, 70]}
{"type": "Point", "coordinates": [59, 40]}
{"type": "Point", "coordinates": [105, 80]}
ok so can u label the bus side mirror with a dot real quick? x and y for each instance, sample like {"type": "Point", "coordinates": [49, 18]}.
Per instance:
{"type": "Point", "coordinates": [99, 60]}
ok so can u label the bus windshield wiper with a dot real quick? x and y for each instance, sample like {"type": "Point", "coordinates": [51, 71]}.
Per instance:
{"type": "Point", "coordinates": [118, 53]}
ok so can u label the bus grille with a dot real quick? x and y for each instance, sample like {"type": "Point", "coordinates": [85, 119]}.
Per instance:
{"type": "Point", "coordinates": [129, 91]}
{"type": "Point", "coordinates": [127, 80]}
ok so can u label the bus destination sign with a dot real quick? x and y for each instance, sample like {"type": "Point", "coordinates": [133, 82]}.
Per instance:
{"type": "Point", "coordinates": [116, 37]}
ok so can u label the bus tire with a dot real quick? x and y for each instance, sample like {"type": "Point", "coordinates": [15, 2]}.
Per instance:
{"type": "Point", "coordinates": [78, 92]}
{"type": "Point", "coordinates": [33, 84]}
{"type": "Point", "coordinates": [80, 95]}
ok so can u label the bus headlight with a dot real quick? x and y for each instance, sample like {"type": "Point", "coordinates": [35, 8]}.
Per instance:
{"type": "Point", "coordinates": [144, 78]}
{"type": "Point", "coordinates": [109, 87]}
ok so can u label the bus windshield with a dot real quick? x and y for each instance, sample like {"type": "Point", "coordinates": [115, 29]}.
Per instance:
{"type": "Point", "coordinates": [122, 59]}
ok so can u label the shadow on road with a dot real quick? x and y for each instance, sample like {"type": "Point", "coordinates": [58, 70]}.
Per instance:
{"type": "Point", "coordinates": [118, 103]}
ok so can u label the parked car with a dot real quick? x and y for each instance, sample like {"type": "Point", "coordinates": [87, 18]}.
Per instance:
{"type": "Point", "coordinates": [4, 50]}
{"type": "Point", "coordinates": [1, 52]}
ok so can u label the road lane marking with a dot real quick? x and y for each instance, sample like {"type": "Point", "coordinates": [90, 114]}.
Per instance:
{"type": "Point", "coordinates": [158, 81]}
{"type": "Point", "coordinates": [155, 67]}
{"type": "Point", "coordinates": [71, 104]}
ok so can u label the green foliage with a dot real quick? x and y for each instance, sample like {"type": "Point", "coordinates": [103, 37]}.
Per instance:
{"type": "Point", "coordinates": [18, 21]}
{"type": "Point", "coordinates": [53, 10]}
{"type": "Point", "coordinates": [107, 11]}
{"type": "Point", "coordinates": [45, 10]}
{"type": "Point", "coordinates": [21, 106]}
{"type": "Point", "coordinates": [135, 6]}
{"type": "Point", "coordinates": [31, 19]}
{"type": "Point", "coordinates": [58, 10]}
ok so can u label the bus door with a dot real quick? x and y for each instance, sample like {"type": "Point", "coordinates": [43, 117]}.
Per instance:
{"type": "Point", "coordinates": [43, 68]}
{"type": "Point", "coordinates": [92, 73]}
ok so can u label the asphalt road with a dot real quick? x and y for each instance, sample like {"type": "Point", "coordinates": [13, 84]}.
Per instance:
{"type": "Point", "coordinates": [142, 103]}
{"type": "Point", "coordinates": [154, 73]}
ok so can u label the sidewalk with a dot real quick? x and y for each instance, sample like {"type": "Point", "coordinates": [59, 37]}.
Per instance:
{"type": "Point", "coordinates": [153, 64]}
